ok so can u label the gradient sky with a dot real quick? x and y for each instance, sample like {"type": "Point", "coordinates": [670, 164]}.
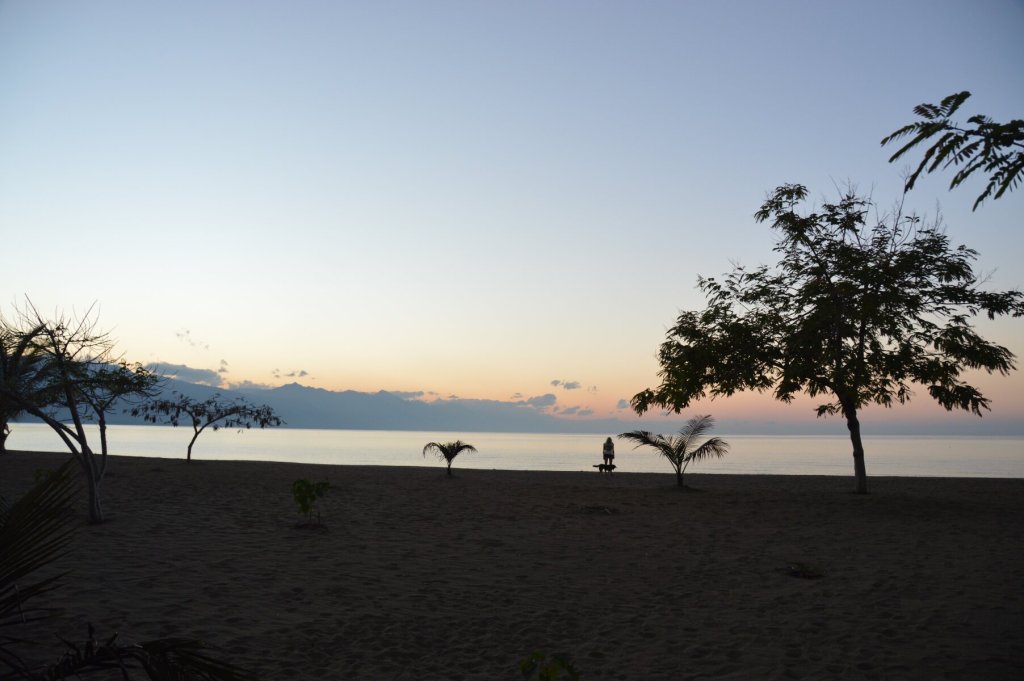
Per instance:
{"type": "Point", "coordinates": [462, 198]}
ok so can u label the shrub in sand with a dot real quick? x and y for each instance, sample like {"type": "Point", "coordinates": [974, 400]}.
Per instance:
{"type": "Point", "coordinates": [447, 451]}
{"type": "Point", "coordinates": [681, 448]}
{"type": "Point", "coordinates": [306, 493]}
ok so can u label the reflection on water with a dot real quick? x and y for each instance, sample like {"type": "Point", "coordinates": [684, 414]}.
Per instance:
{"type": "Point", "coordinates": [750, 454]}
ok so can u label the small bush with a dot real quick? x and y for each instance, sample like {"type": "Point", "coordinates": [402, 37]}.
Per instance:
{"type": "Point", "coordinates": [306, 494]}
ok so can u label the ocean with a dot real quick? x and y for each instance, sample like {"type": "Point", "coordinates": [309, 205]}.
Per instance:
{"type": "Point", "coordinates": [981, 457]}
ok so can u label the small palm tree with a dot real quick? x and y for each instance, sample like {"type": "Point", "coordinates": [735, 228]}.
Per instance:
{"type": "Point", "coordinates": [680, 449]}
{"type": "Point", "coordinates": [448, 450]}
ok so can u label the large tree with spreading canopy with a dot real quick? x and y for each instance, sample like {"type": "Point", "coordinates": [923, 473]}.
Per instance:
{"type": "Point", "coordinates": [851, 312]}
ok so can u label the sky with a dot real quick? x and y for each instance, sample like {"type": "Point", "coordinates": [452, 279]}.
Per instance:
{"type": "Point", "coordinates": [507, 201]}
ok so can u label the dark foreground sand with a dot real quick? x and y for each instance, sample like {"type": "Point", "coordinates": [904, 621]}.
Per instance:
{"type": "Point", "coordinates": [423, 577]}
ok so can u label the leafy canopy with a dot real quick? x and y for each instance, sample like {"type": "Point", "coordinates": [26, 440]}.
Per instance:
{"type": "Point", "coordinates": [983, 144]}
{"type": "Point", "coordinates": [23, 373]}
{"type": "Point", "coordinates": [214, 412]}
{"type": "Point", "coordinates": [851, 312]}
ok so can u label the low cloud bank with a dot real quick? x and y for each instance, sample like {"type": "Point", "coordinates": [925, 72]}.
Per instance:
{"type": "Point", "coordinates": [186, 373]}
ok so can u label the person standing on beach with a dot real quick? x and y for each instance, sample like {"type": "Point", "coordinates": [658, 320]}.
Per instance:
{"type": "Point", "coordinates": [609, 452]}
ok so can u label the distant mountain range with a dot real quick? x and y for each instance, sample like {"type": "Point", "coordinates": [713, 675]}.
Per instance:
{"type": "Point", "coordinates": [307, 407]}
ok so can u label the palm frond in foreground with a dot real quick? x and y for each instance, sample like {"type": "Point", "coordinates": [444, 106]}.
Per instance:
{"type": "Point", "coordinates": [35, 532]}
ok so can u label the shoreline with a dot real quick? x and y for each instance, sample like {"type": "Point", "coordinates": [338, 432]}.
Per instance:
{"type": "Point", "coordinates": [55, 458]}
{"type": "Point", "coordinates": [420, 576]}
{"type": "Point", "coordinates": [942, 457]}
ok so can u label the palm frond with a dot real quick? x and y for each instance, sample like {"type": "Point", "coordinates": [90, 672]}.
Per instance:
{"type": "Point", "coordinates": [715, 447]}
{"type": "Point", "coordinates": [34, 532]}
{"type": "Point", "coordinates": [448, 450]}
{"type": "Point", "coordinates": [460, 446]}
{"type": "Point", "coordinates": [645, 438]}
{"type": "Point", "coordinates": [696, 427]}
{"type": "Point", "coordinates": [985, 145]}
{"type": "Point", "coordinates": [167, 659]}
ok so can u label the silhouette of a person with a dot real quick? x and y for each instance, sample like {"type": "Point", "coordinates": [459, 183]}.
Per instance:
{"type": "Point", "coordinates": [609, 452]}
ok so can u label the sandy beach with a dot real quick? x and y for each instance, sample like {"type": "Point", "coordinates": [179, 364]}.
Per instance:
{"type": "Point", "coordinates": [418, 576]}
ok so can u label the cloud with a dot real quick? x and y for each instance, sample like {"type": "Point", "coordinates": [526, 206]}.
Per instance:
{"type": "Point", "coordinates": [223, 367]}
{"type": "Point", "coordinates": [186, 373]}
{"type": "Point", "coordinates": [295, 373]}
{"type": "Point", "coordinates": [185, 336]}
{"type": "Point", "coordinates": [623, 404]}
{"type": "Point", "coordinates": [517, 396]}
{"type": "Point", "coordinates": [577, 411]}
{"type": "Point", "coordinates": [249, 385]}
{"type": "Point", "coordinates": [540, 401]}
{"type": "Point", "coordinates": [566, 385]}
{"type": "Point", "coordinates": [407, 394]}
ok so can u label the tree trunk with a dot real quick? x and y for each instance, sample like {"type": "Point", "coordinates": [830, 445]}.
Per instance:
{"type": "Point", "coordinates": [4, 431]}
{"type": "Point", "coordinates": [92, 480]}
{"type": "Point", "coordinates": [449, 469]}
{"type": "Point", "coordinates": [194, 438]}
{"type": "Point", "coordinates": [679, 476]}
{"type": "Point", "coordinates": [859, 470]}
{"type": "Point", "coordinates": [103, 445]}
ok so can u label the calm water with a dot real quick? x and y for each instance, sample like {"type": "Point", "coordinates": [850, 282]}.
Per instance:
{"type": "Point", "coordinates": [809, 455]}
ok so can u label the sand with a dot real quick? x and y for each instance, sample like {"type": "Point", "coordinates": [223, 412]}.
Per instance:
{"type": "Point", "coordinates": [418, 576]}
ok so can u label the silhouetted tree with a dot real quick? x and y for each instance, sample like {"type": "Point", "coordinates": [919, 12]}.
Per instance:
{"type": "Point", "coordinates": [447, 451]}
{"type": "Point", "coordinates": [103, 385]}
{"type": "Point", "coordinates": [682, 448]}
{"type": "Point", "coordinates": [21, 373]}
{"type": "Point", "coordinates": [855, 313]}
{"type": "Point", "coordinates": [213, 413]}
{"type": "Point", "coordinates": [65, 370]}
{"type": "Point", "coordinates": [996, 148]}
